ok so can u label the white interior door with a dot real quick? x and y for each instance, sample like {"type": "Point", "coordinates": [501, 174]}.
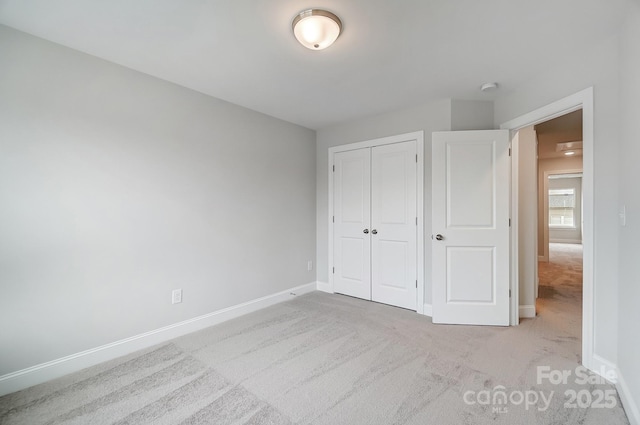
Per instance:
{"type": "Point", "coordinates": [352, 218]}
{"type": "Point", "coordinates": [470, 245]}
{"type": "Point", "coordinates": [394, 224]}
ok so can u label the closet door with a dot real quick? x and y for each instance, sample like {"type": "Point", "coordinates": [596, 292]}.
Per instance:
{"type": "Point", "coordinates": [352, 215]}
{"type": "Point", "coordinates": [394, 224]}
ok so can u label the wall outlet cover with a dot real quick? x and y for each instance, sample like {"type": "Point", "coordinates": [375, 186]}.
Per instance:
{"type": "Point", "coordinates": [176, 296]}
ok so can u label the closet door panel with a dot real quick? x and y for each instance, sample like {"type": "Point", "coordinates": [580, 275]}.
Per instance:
{"type": "Point", "coordinates": [394, 224]}
{"type": "Point", "coordinates": [352, 218]}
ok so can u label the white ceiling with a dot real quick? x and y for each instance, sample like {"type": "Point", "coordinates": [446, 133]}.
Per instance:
{"type": "Point", "coordinates": [391, 55]}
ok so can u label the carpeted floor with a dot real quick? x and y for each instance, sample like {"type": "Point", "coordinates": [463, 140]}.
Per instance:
{"type": "Point", "coordinates": [560, 289]}
{"type": "Point", "coordinates": [331, 359]}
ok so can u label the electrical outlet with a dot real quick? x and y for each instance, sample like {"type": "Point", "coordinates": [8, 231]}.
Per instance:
{"type": "Point", "coordinates": [176, 296]}
{"type": "Point", "coordinates": [309, 265]}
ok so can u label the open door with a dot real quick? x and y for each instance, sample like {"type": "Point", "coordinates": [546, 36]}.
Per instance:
{"type": "Point", "coordinates": [470, 241]}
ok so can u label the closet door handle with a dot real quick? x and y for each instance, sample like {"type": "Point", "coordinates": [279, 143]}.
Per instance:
{"type": "Point", "coordinates": [365, 231]}
{"type": "Point", "coordinates": [374, 232]}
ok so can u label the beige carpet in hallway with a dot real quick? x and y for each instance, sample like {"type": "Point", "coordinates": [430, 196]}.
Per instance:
{"type": "Point", "coordinates": [564, 266]}
{"type": "Point", "coordinates": [560, 290]}
{"type": "Point", "coordinates": [331, 359]}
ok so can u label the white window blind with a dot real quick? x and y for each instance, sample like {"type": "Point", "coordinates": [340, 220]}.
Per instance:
{"type": "Point", "coordinates": [562, 203]}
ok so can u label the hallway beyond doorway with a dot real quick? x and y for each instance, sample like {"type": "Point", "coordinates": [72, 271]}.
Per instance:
{"type": "Point", "coordinates": [560, 289]}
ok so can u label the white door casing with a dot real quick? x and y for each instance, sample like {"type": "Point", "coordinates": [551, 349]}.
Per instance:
{"type": "Point", "coordinates": [352, 218]}
{"type": "Point", "coordinates": [470, 245]}
{"type": "Point", "coordinates": [394, 224]}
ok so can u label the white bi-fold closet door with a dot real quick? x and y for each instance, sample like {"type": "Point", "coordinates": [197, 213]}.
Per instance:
{"type": "Point", "coordinates": [375, 223]}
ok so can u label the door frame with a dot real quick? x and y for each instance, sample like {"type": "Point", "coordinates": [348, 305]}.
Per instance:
{"type": "Point", "coordinates": [581, 100]}
{"type": "Point", "coordinates": [418, 136]}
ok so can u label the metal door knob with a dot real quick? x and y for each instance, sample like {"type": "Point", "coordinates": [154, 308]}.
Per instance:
{"type": "Point", "coordinates": [365, 231]}
{"type": "Point", "coordinates": [439, 237]}
{"type": "Point", "coordinates": [374, 232]}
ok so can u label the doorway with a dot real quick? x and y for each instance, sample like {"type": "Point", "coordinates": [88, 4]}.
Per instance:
{"type": "Point", "coordinates": [581, 100]}
{"type": "Point", "coordinates": [549, 159]}
{"type": "Point", "coordinates": [560, 224]}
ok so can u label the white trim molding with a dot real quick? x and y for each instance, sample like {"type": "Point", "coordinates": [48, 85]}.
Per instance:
{"type": "Point", "coordinates": [628, 403]}
{"type": "Point", "coordinates": [606, 369]}
{"type": "Point", "coordinates": [428, 310]}
{"type": "Point", "coordinates": [324, 287]}
{"type": "Point", "coordinates": [514, 236]}
{"type": "Point", "coordinates": [603, 367]}
{"type": "Point", "coordinates": [571, 241]}
{"type": "Point", "coordinates": [527, 311]}
{"type": "Point", "coordinates": [43, 372]}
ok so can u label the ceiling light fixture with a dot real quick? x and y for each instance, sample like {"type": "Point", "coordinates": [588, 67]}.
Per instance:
{"type": "Point", "coordinates": [569, 153]}
{"type": "Point", "coordinates": [316, 29]}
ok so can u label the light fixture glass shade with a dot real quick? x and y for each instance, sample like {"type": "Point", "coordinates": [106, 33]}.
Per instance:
{"type": "Point", "coordinates": [316, 29]}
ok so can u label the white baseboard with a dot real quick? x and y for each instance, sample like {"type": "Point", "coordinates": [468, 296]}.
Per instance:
{"type": "Point", "coordinates": [602, 366]}
{"type": "Point", "coordinates": [629, 404]}
{"type": "Point", "coordinates": [324, 287]}
{"type": "Point", "coordinates": [573, 241]}
{"type": "Point", "coordinates": [43, 372]}
{"type": "Point", "coordinates": [543, 258]}
{"type": "Point", "coordinates": [527, 311]}
{"type": "Point", "coordinates": [605, 368]}
{"type": "Point", "coordinates": [428, 310]}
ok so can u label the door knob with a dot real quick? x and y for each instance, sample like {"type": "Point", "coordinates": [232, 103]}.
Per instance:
{"type": "Point", "coordinates": [365, 231]}
{"type": "Point", "coordinates": [439, 237]}
{"type": "Point", "coordinates": [374, 232]}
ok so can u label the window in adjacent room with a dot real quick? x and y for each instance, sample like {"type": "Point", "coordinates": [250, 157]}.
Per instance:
{"type": "Point", "coordinates": [562, 203]}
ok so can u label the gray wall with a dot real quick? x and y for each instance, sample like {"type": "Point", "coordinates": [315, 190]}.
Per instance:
{"type": "Point", "coordinates": [597, 67]}
{"type": "Point", "coordinates": [116, 187]}
{"type": "Point", "coordinates": [471, 115]}
{"type": "Point", "coordinates": [436, 116]}
{"type": "Point", "coordinates": [629, 292]}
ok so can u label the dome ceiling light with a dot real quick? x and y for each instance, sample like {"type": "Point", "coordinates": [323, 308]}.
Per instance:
{"type": "Point", "coordinates": [316, 29]}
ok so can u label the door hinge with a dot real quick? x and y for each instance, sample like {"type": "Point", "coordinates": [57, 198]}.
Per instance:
{"type": "Point", "coordinates": [333, 219]}
{"type": "Point", "coordinates": [416, 221]}
{"type": "Point", "coordinates": [509, 222]}
{"type": "Point", "coordinates": [334, 168]}
{"type": "Point", "coordinates": [509, 293]}
{"type": "Point", "coordinates": [509, 151]}
{"type": "Point", "coordinates": [334, 271]}
{"type": "Point", "coordinates": [416, 283]}
{"type": "Point", "coordinates": [416, 158]}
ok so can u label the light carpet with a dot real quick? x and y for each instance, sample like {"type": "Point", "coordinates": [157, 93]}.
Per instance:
{"type": "Point", "coordinates": [331, 359]}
